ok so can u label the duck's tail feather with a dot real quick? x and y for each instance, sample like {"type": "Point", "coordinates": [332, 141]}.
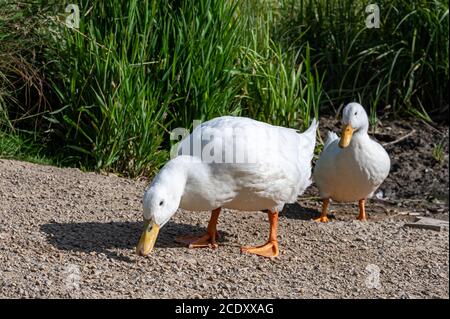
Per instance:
{"type": "Point", "coordinates": [331, 137]}
{"type": "Point", "coordinates": [308, 138]}
{"type": "Point", "coordinates": [313, 127]}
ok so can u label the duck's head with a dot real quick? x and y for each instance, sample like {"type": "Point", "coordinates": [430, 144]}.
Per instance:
{"type": "Point", "coordinates": [160, 203]}
{"type": "Point", "coordinates": [354, 119]}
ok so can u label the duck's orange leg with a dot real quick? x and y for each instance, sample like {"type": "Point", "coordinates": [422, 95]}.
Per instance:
{"type": "Point", "coordinates": [362, 209]}
{"type": "Point", "coordinates": [270, 249]}
{"type": "Point", "coordinates": [206, 240]}
{"type": "Point", "coordinates": [323, 217]}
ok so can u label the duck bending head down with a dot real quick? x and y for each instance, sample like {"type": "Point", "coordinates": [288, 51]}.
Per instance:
{"type": "Point", "coordinates": [279, 171]}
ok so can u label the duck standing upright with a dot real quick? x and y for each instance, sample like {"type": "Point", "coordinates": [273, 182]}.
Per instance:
{"type": "Point", "coordinates": [353, 167]}
{"type": "Point", "coordinates": [239, 164]}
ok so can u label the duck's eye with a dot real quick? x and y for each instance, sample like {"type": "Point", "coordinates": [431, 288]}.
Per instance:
{"type": "Point", "coordinates": [161, 203]}
{"type": "Point", "coordinates": [356, 113]}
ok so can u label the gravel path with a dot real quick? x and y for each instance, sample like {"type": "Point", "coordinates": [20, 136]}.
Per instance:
{"type": "Point", "coordinates": [65, 233]}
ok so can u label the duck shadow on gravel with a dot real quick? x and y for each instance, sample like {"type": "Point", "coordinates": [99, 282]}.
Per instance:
{"type": "Point", "coordinates": [100, 237]}
{"type": "Point", "coordinates": [295, 211]}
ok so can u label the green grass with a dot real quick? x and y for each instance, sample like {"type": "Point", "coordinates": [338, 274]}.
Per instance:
{"type": "Point", "coordinates": [24, 92]}
{"type": "Point", "coordinates": [136, 69]}
{"type": "Point", "coordinates": [15, 146]}
{"type": "Point", "coordinates": [127, 81]}
{"type": "Point", "coordinates": [439, 152]}
{"type": "Point", "coordinates": [105, 96]}
{"type": "Point", "coordinates": [402, 67]}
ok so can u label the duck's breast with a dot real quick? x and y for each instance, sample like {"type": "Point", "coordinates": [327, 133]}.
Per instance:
{"type": "Point", "coordinates": [351, 173]}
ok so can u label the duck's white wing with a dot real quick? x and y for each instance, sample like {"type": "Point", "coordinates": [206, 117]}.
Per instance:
{"type": "Point", "coordinates": [230, 139]}
{"type": "Point", "coordinates": [250, 156]}
{"type": "Point", "coordinates": [331, 137]}
{"type": "Point", "coordinates": [377, 162]}
{"type": "Point", "coordinates": [325, 171]}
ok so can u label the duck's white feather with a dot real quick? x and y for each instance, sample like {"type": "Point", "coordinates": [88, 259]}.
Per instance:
{"type": "Point", "coordinates": [276, 169]}
{"type": "Point", "coordinates": [354, 172]}
{"type": "Point", "coordinates": [331, 137]}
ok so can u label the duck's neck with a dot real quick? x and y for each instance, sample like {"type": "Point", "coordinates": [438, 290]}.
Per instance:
{"type": "Point", "coordinates": [361, 134]}
{"type": "Point", "coordinates": [175, 173]}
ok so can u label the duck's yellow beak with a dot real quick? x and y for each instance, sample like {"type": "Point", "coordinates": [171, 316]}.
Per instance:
{"type": "Point", "coordinates": [148, 238]}
{"type": "Point", "coordinates": [347, 133]}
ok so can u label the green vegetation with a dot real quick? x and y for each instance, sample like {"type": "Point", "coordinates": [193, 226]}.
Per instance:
{"type": "Point", "coordinates": [401, 66]}
{"type": "Point", "coordinates": [439, 152]}
{"type": "Point", "coordinates": [104, 96]}
{"type": "Point", "coordinates": [15, 146]}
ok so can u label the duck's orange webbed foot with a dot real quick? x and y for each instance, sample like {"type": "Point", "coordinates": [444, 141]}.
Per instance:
{"type": "Point", "coordinates": [206, 240]}
{"type": "Point", "coordinates": [267, 250]}
{"type": "Point", "coordinates": [270, 249]}
{"type": "Point", "coordinates": [322, 219]}
{"type": "Point", "coordinates": [323, 216]}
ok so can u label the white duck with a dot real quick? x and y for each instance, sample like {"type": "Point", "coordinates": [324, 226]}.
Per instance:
{"type": "Point", "coordinates": [237, 163]}
{"type": "Point", "coordinates": [352, 168]}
